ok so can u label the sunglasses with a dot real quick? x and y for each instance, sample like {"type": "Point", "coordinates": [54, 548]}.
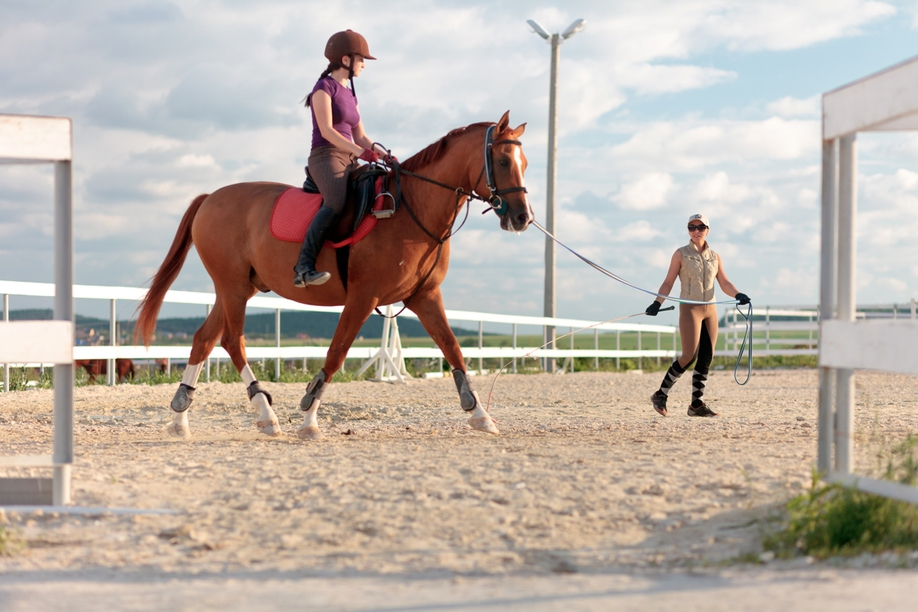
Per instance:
{"type": "Point", "coordinates": [697, 228]}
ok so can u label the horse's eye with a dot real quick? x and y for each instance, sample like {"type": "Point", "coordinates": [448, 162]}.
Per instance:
{"type": "Point", "coordinates": [504, 163]}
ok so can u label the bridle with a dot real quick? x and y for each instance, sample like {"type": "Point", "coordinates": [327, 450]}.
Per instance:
{"type": "Point", "coordinates": [497, 203]}
{"type": "Point", "coordinates": [494, 200]}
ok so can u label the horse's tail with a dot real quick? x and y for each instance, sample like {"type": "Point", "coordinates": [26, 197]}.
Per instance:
{"type": "Point", "coordinates": [165, 276]}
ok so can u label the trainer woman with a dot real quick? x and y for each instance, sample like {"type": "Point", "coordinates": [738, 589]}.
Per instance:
{"type": "Point", "coordinates": [338, 141]}
{"type": "Point", "coordinates": [696, 265]}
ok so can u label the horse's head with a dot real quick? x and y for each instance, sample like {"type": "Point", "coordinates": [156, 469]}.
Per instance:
{"type": "Point", "coordinates": [502, 178]}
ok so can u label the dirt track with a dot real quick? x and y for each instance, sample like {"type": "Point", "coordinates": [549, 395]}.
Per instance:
{"type": "Point", "coordinates": [585, 478]}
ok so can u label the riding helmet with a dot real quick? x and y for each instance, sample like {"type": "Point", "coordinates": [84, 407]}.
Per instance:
{"type": "Point", "coordinates": [344, 43]}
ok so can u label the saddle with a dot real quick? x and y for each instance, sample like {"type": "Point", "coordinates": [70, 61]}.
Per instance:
{"type": "Point", "coordinates": [295, 208]}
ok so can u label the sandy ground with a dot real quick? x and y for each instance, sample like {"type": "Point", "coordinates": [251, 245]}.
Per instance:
{"type": "Point", "coordinates": [587, 500]}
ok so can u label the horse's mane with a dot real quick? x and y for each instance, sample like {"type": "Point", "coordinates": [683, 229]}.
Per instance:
{"type": "Point", "coordinates": [435, 151]}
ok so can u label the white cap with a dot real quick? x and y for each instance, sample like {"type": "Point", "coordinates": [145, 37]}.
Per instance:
{"type": "Point", "coordinates": [699, 217]}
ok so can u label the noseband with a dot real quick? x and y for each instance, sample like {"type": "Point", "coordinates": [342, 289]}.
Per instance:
{"type": "Point", "coordinates": [497, 203]}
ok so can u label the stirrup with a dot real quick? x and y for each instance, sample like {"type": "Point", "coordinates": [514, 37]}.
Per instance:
{"type": "Point", "coordinates": [311, 277]}
{"type": "Point", "coordinates": [384, 213]}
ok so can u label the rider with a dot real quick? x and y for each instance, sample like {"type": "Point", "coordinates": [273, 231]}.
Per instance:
{"type": "Point", "coordinates": [696, 265]}
{"type": "Point", "coordinates": [338, 141]}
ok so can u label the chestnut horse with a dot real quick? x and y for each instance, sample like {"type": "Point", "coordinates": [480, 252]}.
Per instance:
{"type": "Point", "coordinates": [404, 259]}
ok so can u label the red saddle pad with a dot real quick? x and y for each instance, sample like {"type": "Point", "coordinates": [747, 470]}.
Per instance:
{"type": "Point", "coordinates": [294, 210]}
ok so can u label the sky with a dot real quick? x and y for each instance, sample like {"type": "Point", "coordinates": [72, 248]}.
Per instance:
{"type": "Point", "coordinates": [666, 108]}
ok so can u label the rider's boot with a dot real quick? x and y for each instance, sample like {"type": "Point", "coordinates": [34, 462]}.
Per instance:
{"type": "Point", "coordinates": [305, 269]}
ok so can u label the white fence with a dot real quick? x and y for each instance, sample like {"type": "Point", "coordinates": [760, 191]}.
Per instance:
{"type": "Point", "coordinates": [778, 331]}
{"type": "Point", "coordinates": [391, 347]}
{"type": "Point", "coordinates": [31, 140]}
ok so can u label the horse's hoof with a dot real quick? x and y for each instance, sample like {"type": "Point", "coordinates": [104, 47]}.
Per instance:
{"type": "Point", "coordinates": [310, 432]}
{"type": "Point", "coordinates": [177, 430]}
{"type": "Point", "coordinates": [270, 428]}
{"type": "Point", "coordinates": [484, 423]}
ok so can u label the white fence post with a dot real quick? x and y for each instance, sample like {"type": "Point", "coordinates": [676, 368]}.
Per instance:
{"type": "Point", "coordinates": [514, 346]}
{"type": "Point", "coordinates": [6, 319]}
{"type": "Point", "coordinates": [847, 269]}
{"type": "Point", "coordinates": [112, 377]}
{"type": "Point", "coordinates": [277, 344]}
{"type": "Point", "coordinates": [207, 361]}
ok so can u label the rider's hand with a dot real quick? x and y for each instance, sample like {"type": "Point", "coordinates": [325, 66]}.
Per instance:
{"type": "Point", "coordinates": [390, 160]}
{"type": "Point", "coordinates": [653, 309]}
{"type": "Point", "coordinates": [742, 299]}
{"type": "Point", "coordinates": [369, 156]}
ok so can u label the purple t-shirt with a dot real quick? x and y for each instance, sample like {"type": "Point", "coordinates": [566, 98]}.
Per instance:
{"type": "Point", "coordinates": [345, 116]}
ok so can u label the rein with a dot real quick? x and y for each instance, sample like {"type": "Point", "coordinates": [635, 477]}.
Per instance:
{"type": "Point", "coordinates": [495, 201]}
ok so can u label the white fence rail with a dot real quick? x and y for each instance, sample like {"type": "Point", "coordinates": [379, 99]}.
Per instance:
{"type": "Point", "coordinates": [770, 327]}
{"type": "Point", "coordinates": [280, 353]}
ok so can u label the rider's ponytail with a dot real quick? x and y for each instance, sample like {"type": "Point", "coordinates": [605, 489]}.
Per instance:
{"type": "Point", "coordinates": [331, 68]}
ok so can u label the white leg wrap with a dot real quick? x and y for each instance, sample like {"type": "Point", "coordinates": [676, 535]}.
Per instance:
{"type": "Point", "coordinates": [192, 372]}
{"type": "Point", "coordinates": [247, 377]}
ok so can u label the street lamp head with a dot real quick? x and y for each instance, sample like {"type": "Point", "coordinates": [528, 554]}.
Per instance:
{"type": "Point", "coordinates": [539, 29]}
{"type": "Point", "coordinates": [573, 28]}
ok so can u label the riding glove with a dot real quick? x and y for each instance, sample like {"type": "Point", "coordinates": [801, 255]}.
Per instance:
{"type": "Point", "coordinates": [742, 299]}
{"type": "Point", "coordinates": [653, 309]}
{"type": "Point", "coordinates": [369, 156]}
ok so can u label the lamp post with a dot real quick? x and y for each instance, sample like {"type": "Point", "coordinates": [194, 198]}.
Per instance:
{"type": "Point", "coordinates": [550, 309]}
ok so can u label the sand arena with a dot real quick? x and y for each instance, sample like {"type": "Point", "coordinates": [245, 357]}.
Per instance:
{"type": "Point", "coordinates": [585, 488]}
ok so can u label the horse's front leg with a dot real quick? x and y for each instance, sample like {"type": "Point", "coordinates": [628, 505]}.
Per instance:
{"type": "Point", "coordinates": [429, 308]}
{"type": "Point", "coordinates": [355, 314]}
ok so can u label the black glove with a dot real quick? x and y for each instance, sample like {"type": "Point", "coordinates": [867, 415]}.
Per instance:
{"type": "Point", "coordinates": [742, 298]}
{"type": "Point", "coordinates": [653, 309]}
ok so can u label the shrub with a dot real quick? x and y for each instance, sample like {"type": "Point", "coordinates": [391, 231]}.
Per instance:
{"type": "Point", "coordinates": [831, 519]}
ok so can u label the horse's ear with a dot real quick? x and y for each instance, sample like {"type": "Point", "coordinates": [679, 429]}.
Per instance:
{"type": "Point", "coordinates": [519, 130]}
{"type": "Point", "coordinates": [503, 123]}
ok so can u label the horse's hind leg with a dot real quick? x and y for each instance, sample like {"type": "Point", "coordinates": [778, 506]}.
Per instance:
{"type": "Point", "coordinates": [234, 342]}
{"type": "Point", "coordinates": [204, 340]}
{"type": "Point", "coordinates": [429, 308]}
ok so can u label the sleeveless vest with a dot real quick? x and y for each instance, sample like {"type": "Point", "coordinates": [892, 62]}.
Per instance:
{"type": "Point", "coordinates": [697, 274]}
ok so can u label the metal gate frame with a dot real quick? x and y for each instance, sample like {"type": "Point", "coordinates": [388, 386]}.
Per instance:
{"type": "Point", "coordinates": [884, 101]}
{"type": "Point", "coordinates": [30, 140]}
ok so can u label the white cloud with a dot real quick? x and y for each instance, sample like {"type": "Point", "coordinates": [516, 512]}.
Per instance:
{"type": "Point", "coordinates": [789, 107]}
{"type": "Point", "coordinates": [645, 192]}
{"type": "Point", "coordinates": [694, 144]}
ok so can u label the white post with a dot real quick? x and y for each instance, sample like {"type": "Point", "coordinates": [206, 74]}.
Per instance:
{"type": "Point", "coordinates": [596, 348]}
{"type": "Point", "coordinates": [277, 343]}
{"type": "Point", "coordinates": [514, 346]}
{"type": "Point", "coordinates": [112, 377]}
{"type": "Point", "coordinates": [480, 346]}
{"type": "Point", "coordinates": [63, 311]}
{"type": "Point", "coordinates": [6, 318]}
{"type": "Point", "coordinates": [847, 296]}
{"type": "Point", "coordinates": [550, 309]}
{"type": "Point", "coordinates": [640, 350]}
{"type": "Point", "coordinates": [658, 347]}
{"type": "Point", "coordinates": [618, 347]}
{"type": "Point", "coordinates": [571, 348]}
{"type": "Point", "coordinates": [827, 295]}
{"type": "Point", "coordinates": [767, 329]}
{"type": "Point", "coordinates": [207, 362]}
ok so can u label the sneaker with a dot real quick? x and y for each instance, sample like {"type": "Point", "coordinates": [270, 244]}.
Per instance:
{"type": "Point", "coordinates": [701, 410]}
{"type": "Point", "coordinates": [658, 400]}
{"type": "Point", "coordinates": [304, 279]}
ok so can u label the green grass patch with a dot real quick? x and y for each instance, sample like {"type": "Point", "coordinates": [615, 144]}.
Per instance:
{"type": "Point", "coordinates": [10, 542]}
{"type": "Point", "coordinates": [830, 519]}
